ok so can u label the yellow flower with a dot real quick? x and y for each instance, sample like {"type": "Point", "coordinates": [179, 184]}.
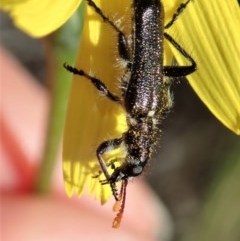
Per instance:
{"type": "Point", "coordinates": [210, 29]}
{"type": "Point", "coordinates": [39, 18]}
{"type": "Point", "coordinates": [92, 119]}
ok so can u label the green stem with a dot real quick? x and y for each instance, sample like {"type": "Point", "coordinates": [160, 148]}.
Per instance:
{"type": "Point", "coordinates": [66, 41]}
{"type": "Point", "coordinates": [55, 129]}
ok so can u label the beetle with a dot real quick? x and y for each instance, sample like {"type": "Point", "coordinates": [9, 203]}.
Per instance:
{"type": "Point", "coordinates": [145, 95]}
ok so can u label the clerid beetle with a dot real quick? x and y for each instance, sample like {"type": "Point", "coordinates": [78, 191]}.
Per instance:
{"type": "Point", "coordinates": [144, 94]}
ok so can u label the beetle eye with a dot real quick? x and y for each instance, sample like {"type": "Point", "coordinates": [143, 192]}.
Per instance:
{"type": "Point", "coordinates": [137, 170]}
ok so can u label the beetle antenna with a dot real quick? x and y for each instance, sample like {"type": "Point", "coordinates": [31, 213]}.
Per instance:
{"type": "Point", "coordinates": [120, 205]}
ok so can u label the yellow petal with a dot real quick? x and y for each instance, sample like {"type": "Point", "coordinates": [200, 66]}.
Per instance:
{"type": "Point", "coordinates": [91, 118]}
{"type": "Point", "coordinates": [210, 29]}
{"type": "Point", "coordinates": [39, 18]}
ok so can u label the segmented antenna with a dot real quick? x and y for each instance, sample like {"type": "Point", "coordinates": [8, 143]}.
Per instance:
{"type": "Point", "coordinates": [120, 205]}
